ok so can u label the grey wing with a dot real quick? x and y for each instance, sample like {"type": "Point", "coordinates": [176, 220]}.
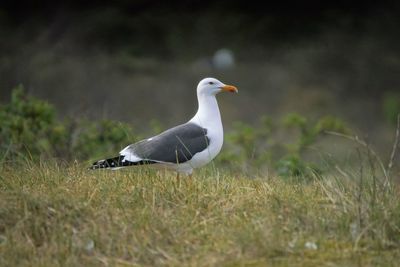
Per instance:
{"type": "Point", "coordinates": [176, 145]}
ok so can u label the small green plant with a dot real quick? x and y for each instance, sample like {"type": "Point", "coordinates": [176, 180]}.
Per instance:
{"type": "Point", "coordinates": [292, 164]}
{"type": "Point", "coordinates": [249, 139]}
{"type": "Point", "coordinates": [278, 146]}
{"type": "Point", "coordinates": [307, 133]}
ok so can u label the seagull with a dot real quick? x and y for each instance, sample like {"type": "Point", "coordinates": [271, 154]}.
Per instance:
{"type": "Point", "coordinates": [184, 147]}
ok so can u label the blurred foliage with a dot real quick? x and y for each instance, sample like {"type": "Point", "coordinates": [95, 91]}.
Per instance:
{"type": "Point", "coordinates": [98, 138]}
{"type": "Point", "coordinates": [27, 124]}
{"type": "Point", "coordinates": [248, 145]}
{"type": "Point", "coordinates": [391, 107]}
{"type": "Point", "coordinates": [29, 127]}
{"type": "Point", "coordinates": [308, 133]}
{"type": "Point", "coordinates": [279, 146]}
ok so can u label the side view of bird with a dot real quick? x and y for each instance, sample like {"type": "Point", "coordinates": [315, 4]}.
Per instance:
{"type": "Point", "coordinates": [184, 147]}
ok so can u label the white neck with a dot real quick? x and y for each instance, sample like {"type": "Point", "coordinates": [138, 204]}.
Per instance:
{"type": "Point", "coordinates": [208, 114]}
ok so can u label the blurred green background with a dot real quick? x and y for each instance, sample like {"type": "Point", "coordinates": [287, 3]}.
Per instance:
{"type": "Point", "coordinates": [137, 61]}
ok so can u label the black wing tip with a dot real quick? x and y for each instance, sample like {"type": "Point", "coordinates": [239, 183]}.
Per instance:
{"type": "Point", "coordinates": [117, 162]}
{"type": "Point", "coordinates": [108, 163]}
{"type": "Point", "coordinates": [97, 165]}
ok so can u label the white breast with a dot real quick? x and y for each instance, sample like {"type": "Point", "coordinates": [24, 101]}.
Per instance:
{"type": "Point", "coordinates": [215, 133]}
{"type": "Point", "coordinates": [202, 158]}
{"type": "Point", "coordinates": [208, 117]}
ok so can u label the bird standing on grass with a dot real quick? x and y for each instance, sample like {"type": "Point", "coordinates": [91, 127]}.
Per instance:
{"type": "Point", "coordinates": [184, 147]}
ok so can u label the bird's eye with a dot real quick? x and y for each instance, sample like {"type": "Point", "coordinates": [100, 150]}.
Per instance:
{"type": "Point", "coordinates": [210, 83]}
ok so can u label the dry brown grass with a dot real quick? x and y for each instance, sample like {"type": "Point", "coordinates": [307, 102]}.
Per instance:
{"type": "Point", "coordinates": [53, 215]}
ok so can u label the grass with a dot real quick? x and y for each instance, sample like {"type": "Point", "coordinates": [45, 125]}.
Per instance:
{"type": "Point", "coordinates": [63, 215]}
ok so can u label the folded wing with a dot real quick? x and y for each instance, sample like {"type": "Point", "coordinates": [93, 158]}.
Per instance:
{"type": "Point", "coordinates": [176, 145]}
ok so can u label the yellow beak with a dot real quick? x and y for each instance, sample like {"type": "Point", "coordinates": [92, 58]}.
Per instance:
{"type": "Point", "coordinates": [229, 88]}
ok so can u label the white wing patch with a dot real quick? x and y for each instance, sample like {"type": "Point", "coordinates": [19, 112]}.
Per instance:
{"type": "Point", "coordinates": [129, 156]}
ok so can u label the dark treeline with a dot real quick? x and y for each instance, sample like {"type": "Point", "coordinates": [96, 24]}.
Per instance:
{"type": "Point", "coordinates": [165, 27]}
{"type": "Point", "coordinates": [338, 57]}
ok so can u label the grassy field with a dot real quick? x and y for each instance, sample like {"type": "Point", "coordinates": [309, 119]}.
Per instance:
{"type": "Point", "coordinates": [65, 215]}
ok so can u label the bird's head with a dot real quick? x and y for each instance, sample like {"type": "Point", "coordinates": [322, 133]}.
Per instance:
{"type": "Point", "coordinates": [212, 86]}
